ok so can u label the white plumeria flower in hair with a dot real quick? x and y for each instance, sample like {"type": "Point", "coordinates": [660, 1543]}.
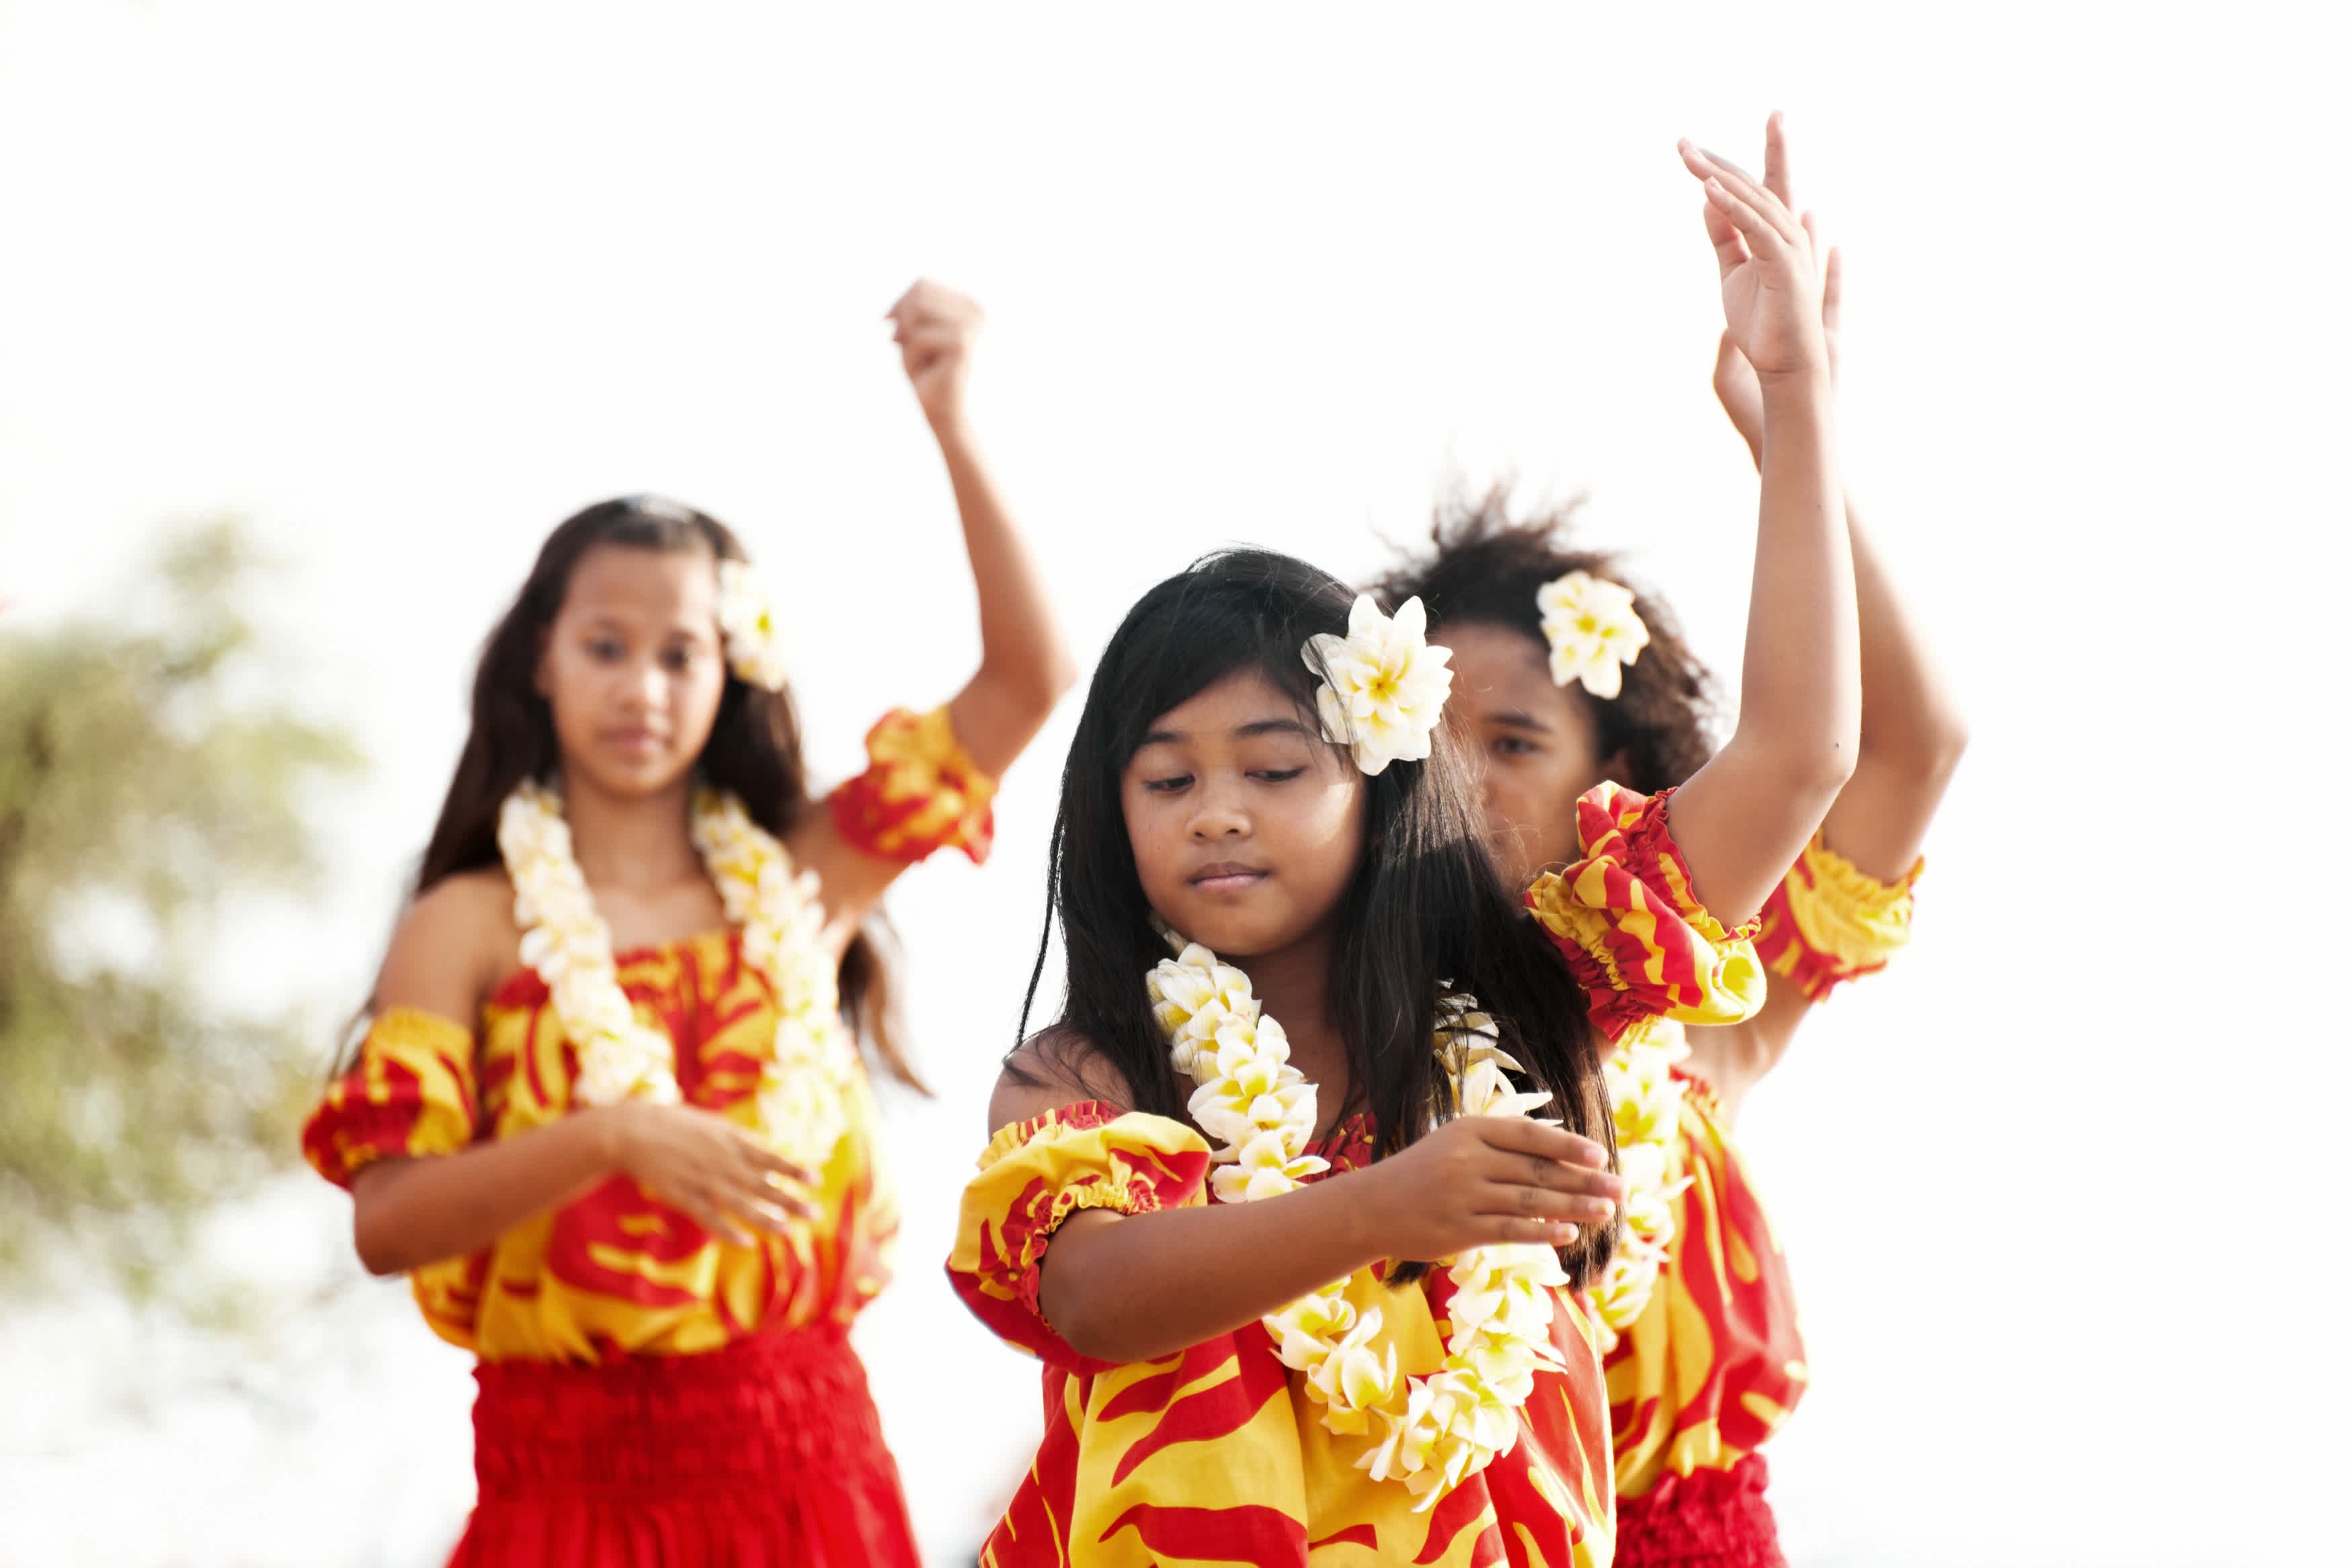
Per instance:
{"type": "Point", "coordinates": [747, 615]}
{"type": "Point", "coordinates": [1384, 687]}
{"type": "Point", "coordinates": [1593, 632]}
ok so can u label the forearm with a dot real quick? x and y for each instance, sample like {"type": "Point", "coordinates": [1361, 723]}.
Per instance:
{"type": "Point", "coordinates": [1024, 666]}
{"type": "Point", "coordinates": [1908, 714]}
{"type": "Point", "coordinates": [1136, 1288]}
{"type": "Point", "coordinates": [411, 1212]}
{"type": "Point", "coordinates": [1744, 818]}
{"type": "Point", "coordinates": [1801, 695]}
{"type": "Point", "coordinates": [1912, 734]}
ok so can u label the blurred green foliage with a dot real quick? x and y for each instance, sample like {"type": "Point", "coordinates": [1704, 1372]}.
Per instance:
{"type": "Point", "coordinates": [150, 781]}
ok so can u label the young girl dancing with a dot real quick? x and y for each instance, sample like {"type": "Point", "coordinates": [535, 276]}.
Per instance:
{"type": "Point", "coordinates": [1563, 679]}
{"type": "Point", "coordinates": [1297, 1217]}
{"type": "Point", "coordinates": [610, 1113]}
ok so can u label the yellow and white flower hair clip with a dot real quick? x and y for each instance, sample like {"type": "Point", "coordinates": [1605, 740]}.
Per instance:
{"type": "Point", "coordinates": [747, 616]}
{"type": "Point", "coordinates": [1593, 632]}
{"type": "Point", "coordinates": [1384, 687]}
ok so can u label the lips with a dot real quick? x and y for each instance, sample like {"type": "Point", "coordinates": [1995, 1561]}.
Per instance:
{"type": "Point", "coordinates": [636, 742]}
{"type": "Point", "coordinates": [1228, 876]}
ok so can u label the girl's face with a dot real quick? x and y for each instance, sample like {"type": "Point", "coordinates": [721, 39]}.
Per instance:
{"type": "Point", "coordinates": [1538, 746]}
{"type": "Point", "coordinates": [1246, 824]}
{"type": "Point", "coordinates": [633, 667]}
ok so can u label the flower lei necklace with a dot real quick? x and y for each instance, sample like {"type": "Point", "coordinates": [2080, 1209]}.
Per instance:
{"type": "Point", "coordinates": [800, 1097]}
{"type": "Point", "coordinates": [1382, 694]}
{"type": "Point", "coordinates": [1647, 1101]}
{"type": "Point", "coordinates": [1436, 1430]}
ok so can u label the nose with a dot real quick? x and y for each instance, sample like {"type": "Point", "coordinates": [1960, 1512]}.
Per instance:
{"type": "Point", "coordinates": [1219, 815]}
{"type": "Point", "coordinates": [646, 689]}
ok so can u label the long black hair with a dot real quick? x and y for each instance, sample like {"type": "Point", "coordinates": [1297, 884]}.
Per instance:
{"type": "Point", "coordinates": [1424, 912]}
{"type": "Point", "coordinates": [753, 752]}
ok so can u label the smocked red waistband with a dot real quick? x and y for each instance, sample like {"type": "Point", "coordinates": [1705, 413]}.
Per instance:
{"type": "Point", "coordinates": [1709, 1519]}
{"type": "Point", "coordinates": [738, 1415]}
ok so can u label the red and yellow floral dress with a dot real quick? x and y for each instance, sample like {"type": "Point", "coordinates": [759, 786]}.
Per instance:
{"type": "Point", "coordinates": [1218, 1453]}
{"type": "Point", "coordinates": [649, 1393]}
{"type": "Point", "coordinates": [1715, 1363]}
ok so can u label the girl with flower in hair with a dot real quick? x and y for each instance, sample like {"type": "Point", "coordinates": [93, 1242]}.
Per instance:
{"type": "Point", "coordinates": [1575, 691]}
{"type": "Point", "coordinates": [609, 1113]}
{"type": "Point", "coordinates": [1296, 1196]}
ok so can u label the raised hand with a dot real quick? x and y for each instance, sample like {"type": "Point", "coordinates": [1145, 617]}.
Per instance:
{"type": "Point", "coordinates": [710, 1169]}
{"type": "Point", "coordinates": [1736, 386]}
{"type": "Point", "coordinates": [1772, 280]}
{"type": "Point", "coordinates": [1479, 1181]}
{"type": "Point", "coordinates": [934, 327]}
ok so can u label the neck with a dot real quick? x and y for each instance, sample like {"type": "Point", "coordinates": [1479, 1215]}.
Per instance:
{"type": "Point", "coordinates": [1294, 986]}
{"type": "Point", "coordinates": [630, 841]}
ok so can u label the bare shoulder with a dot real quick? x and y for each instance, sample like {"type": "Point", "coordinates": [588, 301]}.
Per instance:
{"type": "Point", "coordinates": [1052, 1069]}
{"type": "Point", "coordinates": [452, 943]}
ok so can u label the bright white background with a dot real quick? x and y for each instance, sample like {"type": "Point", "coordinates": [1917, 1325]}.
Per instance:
{"type": "Point", "coordinates": [406, 285]}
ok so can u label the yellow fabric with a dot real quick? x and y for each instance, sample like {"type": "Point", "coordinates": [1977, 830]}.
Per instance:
{"type": "Point", "coordinates": [1715, 1362]}
{"type": "Point", "coordinates": [1218, 1453]}
{"type": "Point", "coordinates": [615, 1272]}
{"type": "Point", "coordinates": [1845, 913]}
{"type": "Point", "coordinates": [1629, 922]}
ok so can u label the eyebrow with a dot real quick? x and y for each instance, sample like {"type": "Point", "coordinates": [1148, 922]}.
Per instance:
{"type": "Point", "coordinates": [1513, 719]}
{"type": "Point", "coordinates": [1243, 732]}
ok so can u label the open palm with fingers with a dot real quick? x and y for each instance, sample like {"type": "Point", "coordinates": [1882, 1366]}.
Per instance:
{"type": "Point", "coordinates": [1736, 386]}
{"type": "Point", "coordinates": [1772, 280]}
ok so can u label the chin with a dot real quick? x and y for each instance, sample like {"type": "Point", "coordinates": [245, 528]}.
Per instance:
{"type": "Point", "coordinates": [1231, 933]}
{"type": "Point", "coordinates": [626, 781]}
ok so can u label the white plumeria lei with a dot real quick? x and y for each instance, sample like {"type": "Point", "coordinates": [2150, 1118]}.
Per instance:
{"type": "Point", "coordinates": [746, 617]}
{"type": "Point", "coordinates": [1436, 1429]}
{"type": "Point", "coordinates": [802, 1089]}
{"type": "Point", "coordinates": [1593, 629]}
{"type": "Point", "coordinates": [1646, 1100]}
{"type": "Point", "coordinates": [1384, 687]}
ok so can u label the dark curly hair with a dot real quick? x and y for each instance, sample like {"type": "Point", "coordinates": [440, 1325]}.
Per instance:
{"type": "Point", "coordinates": [1485, 564]}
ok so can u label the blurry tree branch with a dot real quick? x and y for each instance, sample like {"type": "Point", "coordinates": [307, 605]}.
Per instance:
{"type": "Point", "coordinates": [149, 777]}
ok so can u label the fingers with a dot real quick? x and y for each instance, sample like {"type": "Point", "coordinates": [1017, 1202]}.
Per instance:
{"type": "Point", "coordinates": [701, 1207]}
{"type": "Point", "coordinates": [1760, 214]}
{"type": "Point", "coordinates": [1517, 1134]}
{"type": "Point", "coordinates": [930, 337]}
{"type": "Point", "coordinates": [1532, 1232]}
{"type": "Point", "coordinates": [930, 302]}
{"type": "Point", "coordinates": [775, 1164]}
{"type": "Point", "coordinates": [1527, 1201]}
{"type": "Point", "coordinates": [1832, 285]}
{"type": "Point", "coordinates": [1731, 250]}
{"type": "Point", "coordinates": [1776, 158]}
{"type": "Point", "coordinates": [1761, 234]}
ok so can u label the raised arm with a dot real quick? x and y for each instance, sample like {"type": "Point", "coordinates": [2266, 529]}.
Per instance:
{"type": "Point", "coordinates": [1024, 666]}
{"type": "Point", "coordinates": [1742, 819]}
{"type": "Point", "coordinates": [1912, 733]}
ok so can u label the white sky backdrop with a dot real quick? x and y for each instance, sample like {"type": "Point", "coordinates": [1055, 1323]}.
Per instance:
{"type": "Point", "coordinates": [406, 285]}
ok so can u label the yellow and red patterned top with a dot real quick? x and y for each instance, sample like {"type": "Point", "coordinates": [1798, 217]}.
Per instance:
{"type": "Point", "coordinates": [921, 794]}
{"type": "Point", "coordinates": [1715, 1363]}
{"type": "Point", "coordinates": [616, 1273]}
{"type": "Point", "coordinates": [1218, 1453]}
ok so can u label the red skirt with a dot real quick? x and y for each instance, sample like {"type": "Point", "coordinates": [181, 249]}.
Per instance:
{"type": "Point", "coordinates": [765, 1454]}
{"type": "Point", "coordinates": [1709, 1519]}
